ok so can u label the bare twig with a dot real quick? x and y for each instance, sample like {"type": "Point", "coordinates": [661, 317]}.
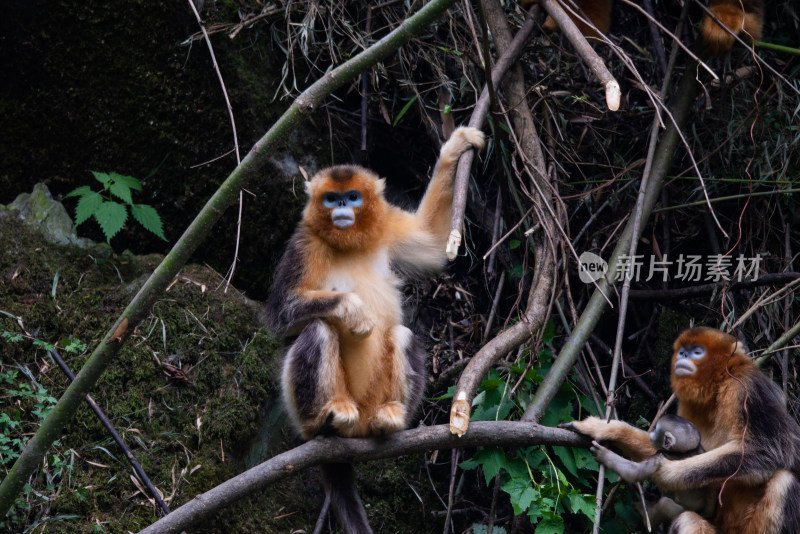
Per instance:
{"type": "Point", "coordinates": [98, 412]}
{"type": "Point", "coordinates": [232, 269]}
{"type": "Point", "coordinates": [586, 52]}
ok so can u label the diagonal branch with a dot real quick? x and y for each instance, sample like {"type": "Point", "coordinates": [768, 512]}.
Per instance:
{"type": "Point", "coordinates": [597, 303]}
{"type": "Point", "coordinates": [223, 198]}
{"type": "Point", "coordinates": [585, 51]}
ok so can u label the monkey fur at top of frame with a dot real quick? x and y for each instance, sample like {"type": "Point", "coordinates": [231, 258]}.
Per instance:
{"type": "Point", "coordinates": [752, 444]}
{"type": "Point", "coordinates": [744, 18]}
{"type": "Point", "coordinates": [354, 369]}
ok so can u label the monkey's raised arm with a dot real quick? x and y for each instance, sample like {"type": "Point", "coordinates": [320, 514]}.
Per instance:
{"type": "Point", "coordinates": [420, 238]}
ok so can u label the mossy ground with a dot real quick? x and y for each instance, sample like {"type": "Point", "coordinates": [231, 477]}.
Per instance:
{"type": "Point", "coordinates": [189, 435]}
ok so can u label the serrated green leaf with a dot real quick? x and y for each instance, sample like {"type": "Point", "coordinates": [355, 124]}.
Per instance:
{"type": "Point", "coordinates": [490, 458]}
{"type": "Point", "coordinates": [553, 525]}
{"type": "Point", "coordinates": [79, 191]}
{"type": "Point", "coordinates": [87, 206]}
{"type": "Point", "coordinates": [101, 177]}
{"type": "Point", "coordinates": [149, 218]}
{"type": "Point", "coordinates": [111, 217]}
{"type": "Point", "coordinates": [521, 494]}
{"type": "Point", "coordinates": [128, 181]}
{"type": "Point", "coordinates": [121, 191]}
{"type": "Point", "coordinates": [582, 503]}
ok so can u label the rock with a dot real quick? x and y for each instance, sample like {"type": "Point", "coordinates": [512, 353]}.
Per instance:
{"type": "Point", "coordinates": [39, 209]}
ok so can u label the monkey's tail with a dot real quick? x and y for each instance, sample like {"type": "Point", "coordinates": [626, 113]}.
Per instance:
{"type": "Point", "coordinates": [341, 489]}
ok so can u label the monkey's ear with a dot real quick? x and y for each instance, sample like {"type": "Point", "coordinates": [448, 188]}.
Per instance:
{"type": "Point", "coordinates": [740, 347]}
{"type": "Point", "coordinates": [380, 185]}
{"type": "Point", "coordinates": [307, 186]}
{"type": "Point", "coordinates": [669, 441]}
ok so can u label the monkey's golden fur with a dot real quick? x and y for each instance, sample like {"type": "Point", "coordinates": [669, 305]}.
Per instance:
{"type": "Point", "coordinates": [752, 443]}
{"type": "Point", "coordinates": [598, 12]}
{"type": "Point", "coordinates": [354, 369]}
{"type": "Point", "coordinates": [742, 17]}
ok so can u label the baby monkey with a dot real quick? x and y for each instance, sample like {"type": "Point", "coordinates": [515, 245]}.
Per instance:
{"type": "Point", "coordinates": [675, 438]}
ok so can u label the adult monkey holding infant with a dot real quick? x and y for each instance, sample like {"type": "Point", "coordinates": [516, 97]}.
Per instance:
{"type": "Point", "coordinates": [752, 443]}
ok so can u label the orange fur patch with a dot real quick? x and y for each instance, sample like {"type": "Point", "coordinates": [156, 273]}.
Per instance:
{"type": "Point", "coordinates": [597, 11]}
{"type": "Point", "coordinates": [742, 17]}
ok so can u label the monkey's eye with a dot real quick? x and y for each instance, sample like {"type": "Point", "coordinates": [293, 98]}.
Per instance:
{"type": "Point", "coordinates": [695, 352]}
{"type": "Point", "coordinates": [330, 200]}
{"type": "Point", "coordinates": [354, 199]}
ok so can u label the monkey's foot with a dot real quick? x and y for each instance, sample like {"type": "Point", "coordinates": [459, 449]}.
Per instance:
{"type": "Point", "coordinates": [344, 413]}
{"type": "Point", "coordinates": [388, 419]}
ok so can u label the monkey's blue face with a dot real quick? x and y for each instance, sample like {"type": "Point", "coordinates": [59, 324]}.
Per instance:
{"type": "Point", "coordinates": [687, 356]}
{"type": "Point", "coordinates": [342, 206]}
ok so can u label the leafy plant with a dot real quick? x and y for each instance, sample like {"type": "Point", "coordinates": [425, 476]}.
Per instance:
{"type": "Point", "coordinates": [110, 214]}
{"type": "Point", "coordinates": [24, 404]}
{"type": "Point", "coordinates": [544, 483]}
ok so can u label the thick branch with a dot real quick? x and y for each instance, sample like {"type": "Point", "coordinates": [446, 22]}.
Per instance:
{"type": "Point", "coordinates": [332, 450]}
{"type": "Point", "coordinates": [224, 197]}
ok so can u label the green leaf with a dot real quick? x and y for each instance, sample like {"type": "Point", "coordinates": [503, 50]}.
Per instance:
{"type": "Point", "coordinates": [128, 181]}
{"type": "Point", "coordinates": [477, 528]}
{"type": "Point", "coordinates": [149, 218]}
{"type": "Point", "coordinates": [121, 191]}
{"type": "Point", "coordinates": [403, 111]}
{"type": "Point", "coordinates": [101, 177]}
{"type": "Point", "coordinates": [111, 217]}
{"type": "Point", "coordinates": [513, 244]}
{"type": "Point", "coordinates": [521, 494]}
{"type": "Point", "coordinates": [567, 458]}
{"type": "Point", "coordinates": [583, 504]}
{"type": "Point", "coordinates": [552, 525]}
{"type": "Point", "coordinates": [79, 191]}
{"type": "Point", "coordinates": [87, 206]}
{"type": "Point", "coordinates": [492, 459]}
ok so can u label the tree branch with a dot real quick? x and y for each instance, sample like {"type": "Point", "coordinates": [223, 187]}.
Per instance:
{"type": "Point", "coordinates": [477, 120]}
{"type": "Point", "coordinates": [336, 450]}
{"type": "Point", "coordinates": [585, 51]}
{"type": "Point", "coordinates": [545, 267]}
{"type": "Point", "coordinates": [684, 97]}
{"type": "Point", "coordinates": [222, 199]}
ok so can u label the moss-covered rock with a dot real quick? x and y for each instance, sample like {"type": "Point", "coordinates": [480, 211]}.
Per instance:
{"type": "Point", "coordinates": [193, 392]}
